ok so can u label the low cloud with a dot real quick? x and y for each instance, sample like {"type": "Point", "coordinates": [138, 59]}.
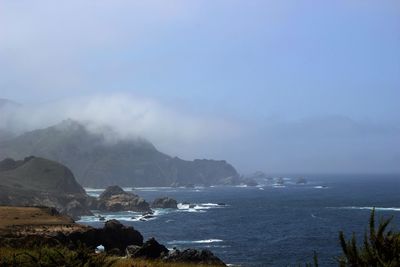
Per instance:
{"type": "Point", "coordinates": [127, 116]}
{"type": "Point", "coordinates": [325, 144]}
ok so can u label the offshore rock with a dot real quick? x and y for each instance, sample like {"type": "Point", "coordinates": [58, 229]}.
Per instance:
{"type": "Point", "coordinates": [114, 198]}
{"type": "Point", "coordinates": [165, 203]}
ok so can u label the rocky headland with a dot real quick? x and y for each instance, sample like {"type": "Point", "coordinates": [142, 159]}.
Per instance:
{"type": "Point", "coordinates": [98, 163]}
{"type": "Point", "coordinates": [35, 181]}
{"type": "Point", "coordinates": [32, 227]}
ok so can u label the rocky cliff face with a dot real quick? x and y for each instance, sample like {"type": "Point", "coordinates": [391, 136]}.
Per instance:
{"type": "Point", "coordinates": [114, 198]}
{"type": "Point", "coordinates": [97, 163]}
{"type": "Point", "coordinates": [40, 182]}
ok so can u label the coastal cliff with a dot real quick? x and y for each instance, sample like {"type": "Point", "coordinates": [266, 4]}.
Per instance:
{"type": "Point", "coordinates": [97, 162]}
{"type": "Point", "coordinates": [37, 181]}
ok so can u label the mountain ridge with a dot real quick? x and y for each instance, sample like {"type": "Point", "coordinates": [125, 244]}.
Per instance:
{"type": "Point", "coordinates": [99, 163]}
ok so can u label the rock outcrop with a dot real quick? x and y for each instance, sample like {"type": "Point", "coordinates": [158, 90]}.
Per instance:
{"type": "Point", "coordinates": [36, 181]}
{"type": "Point", "coordinates": [301, 180]}
{"type": "Point", "coordinates": [32, 227]}
{"type": "Point", "coordinates": [151, 249]}
{"type": "Point", "coordinates": [250, 182]}
{"type": "Point", "coordinates": [164, 203]}
{"type": "Point", "coordinates": [114, 198]}
{"type": "Point", "coordinates": [113, 235]}
{"type": "Point", "coordinates": [194, 256]}
{"type": "Point", "coordinates": [40, 226]}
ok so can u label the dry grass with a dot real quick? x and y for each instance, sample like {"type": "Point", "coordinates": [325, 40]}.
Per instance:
{"type": "Point", "coordinates": [34, 220]}
{"type": "Point", "coordinates": [38, 220]}
{"type": "Point", "coordinates": [146, 263]}
{"type": "Point", "coordinates": [49, 256]}
{"type": "Point", "coordinates": [10, 216]}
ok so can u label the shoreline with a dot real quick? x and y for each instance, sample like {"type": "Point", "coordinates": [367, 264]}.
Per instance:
{"type": "Point", "coordinates": [31, 228]}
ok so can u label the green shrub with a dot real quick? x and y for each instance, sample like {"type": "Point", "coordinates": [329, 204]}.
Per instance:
{"type": "Point", "coordinates": [381, 247]}
{"type": "Point", "coordinates": [49, 257]}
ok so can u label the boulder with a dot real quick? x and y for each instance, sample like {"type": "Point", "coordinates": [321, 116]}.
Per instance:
{"type": "Point", "coordinates": [114, 198]}
{"type": "Point", "coordinates": [111, 191]}
{"type": "Point", "coordinates": [112, 235]}
{"type": "Point", "coordinates": [250, 182]}
{"type": "Point", "coordinates": [151, 249]}
{"type": "Point", "coordinates": [193, 256]}
{"type": "Point", "coordinates": [301, 180]}
{"type": "Point", "coordinates": [113, 225]}
{"type": "Point", "coordinates": [165, 203]}
{"type": "Point", "coordinates": [131, 250]}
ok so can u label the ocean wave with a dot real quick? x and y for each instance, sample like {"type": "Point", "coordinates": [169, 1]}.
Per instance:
{"type": "Point", "coordinates": [91, 219]}
{"type": "Point", "coordinates": [371, 208]}
{"type": "Point", "coordinates": [128, 189]}
{"type": "Point", "coordinates": [211, 205]}
{"type": "Point", "coordinates": [127, 216]}
{"type": "Point", "coordinates": [320, 187]}
{"type": "Point", "coordinates": [93, 189]}
{"type": "Point", "coordinates": [201, 206]}
{"type": "Point", "coordinates": [205, 241]}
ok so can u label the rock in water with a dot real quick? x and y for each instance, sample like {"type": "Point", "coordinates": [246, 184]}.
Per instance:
{"type": "Point", "coordinates": [111, 191]}
{"type": "Point", "coordinates": [301, 180]}
{"type": "Point", "coordinates": [165, 203]}
{"type": "Point", "coordinates": [114, 198]}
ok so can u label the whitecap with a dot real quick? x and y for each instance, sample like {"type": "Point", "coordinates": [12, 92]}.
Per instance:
{"type": "Point", "coordinates": [205, 241]}
{"type": "Point", "coordinates": [93, 192]}
{"type": "Point", "coordinates": [128, 189]}
{"type": "Point", "coordinates": [153, 188]}
{"type": "Point", "coordinates": [371, 208]}
{"type": "Point", "coordinates": [94, 189]}
{"type": "Point", "coordinates": [210, 204]}
{"type": "Point", "coordinates": [198, 207]}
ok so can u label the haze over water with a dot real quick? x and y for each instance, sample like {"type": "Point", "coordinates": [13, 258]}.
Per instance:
{"type": "Point", "coordinates": [276, 86]}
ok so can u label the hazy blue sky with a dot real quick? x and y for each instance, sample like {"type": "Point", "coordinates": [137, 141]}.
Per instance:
{"type": "Point", "coordinates": [306, 86]}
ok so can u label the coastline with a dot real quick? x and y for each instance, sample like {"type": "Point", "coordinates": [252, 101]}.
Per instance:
{"type": "Point", "coordinates": [32, 230]}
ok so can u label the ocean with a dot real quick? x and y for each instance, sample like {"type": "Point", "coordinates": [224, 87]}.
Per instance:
{"type": "Point", "coordinates": [271, 224]}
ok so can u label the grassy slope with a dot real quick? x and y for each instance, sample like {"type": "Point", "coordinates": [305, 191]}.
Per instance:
{"type": "Point", "coordinates": [37, 220]}
{"type": "Point", "coordinates": [63, 257]}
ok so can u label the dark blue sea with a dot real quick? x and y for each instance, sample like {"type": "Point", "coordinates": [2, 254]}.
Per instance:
{"type": "Point", "coordinates": [268, 225]}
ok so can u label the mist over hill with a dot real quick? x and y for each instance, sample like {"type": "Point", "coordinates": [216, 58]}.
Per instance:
{"type": "Point", "coordinates": [98, 161]}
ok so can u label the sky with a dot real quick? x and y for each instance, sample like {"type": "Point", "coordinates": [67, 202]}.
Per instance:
{"type": "Point", "coordinates": [278, 86]}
